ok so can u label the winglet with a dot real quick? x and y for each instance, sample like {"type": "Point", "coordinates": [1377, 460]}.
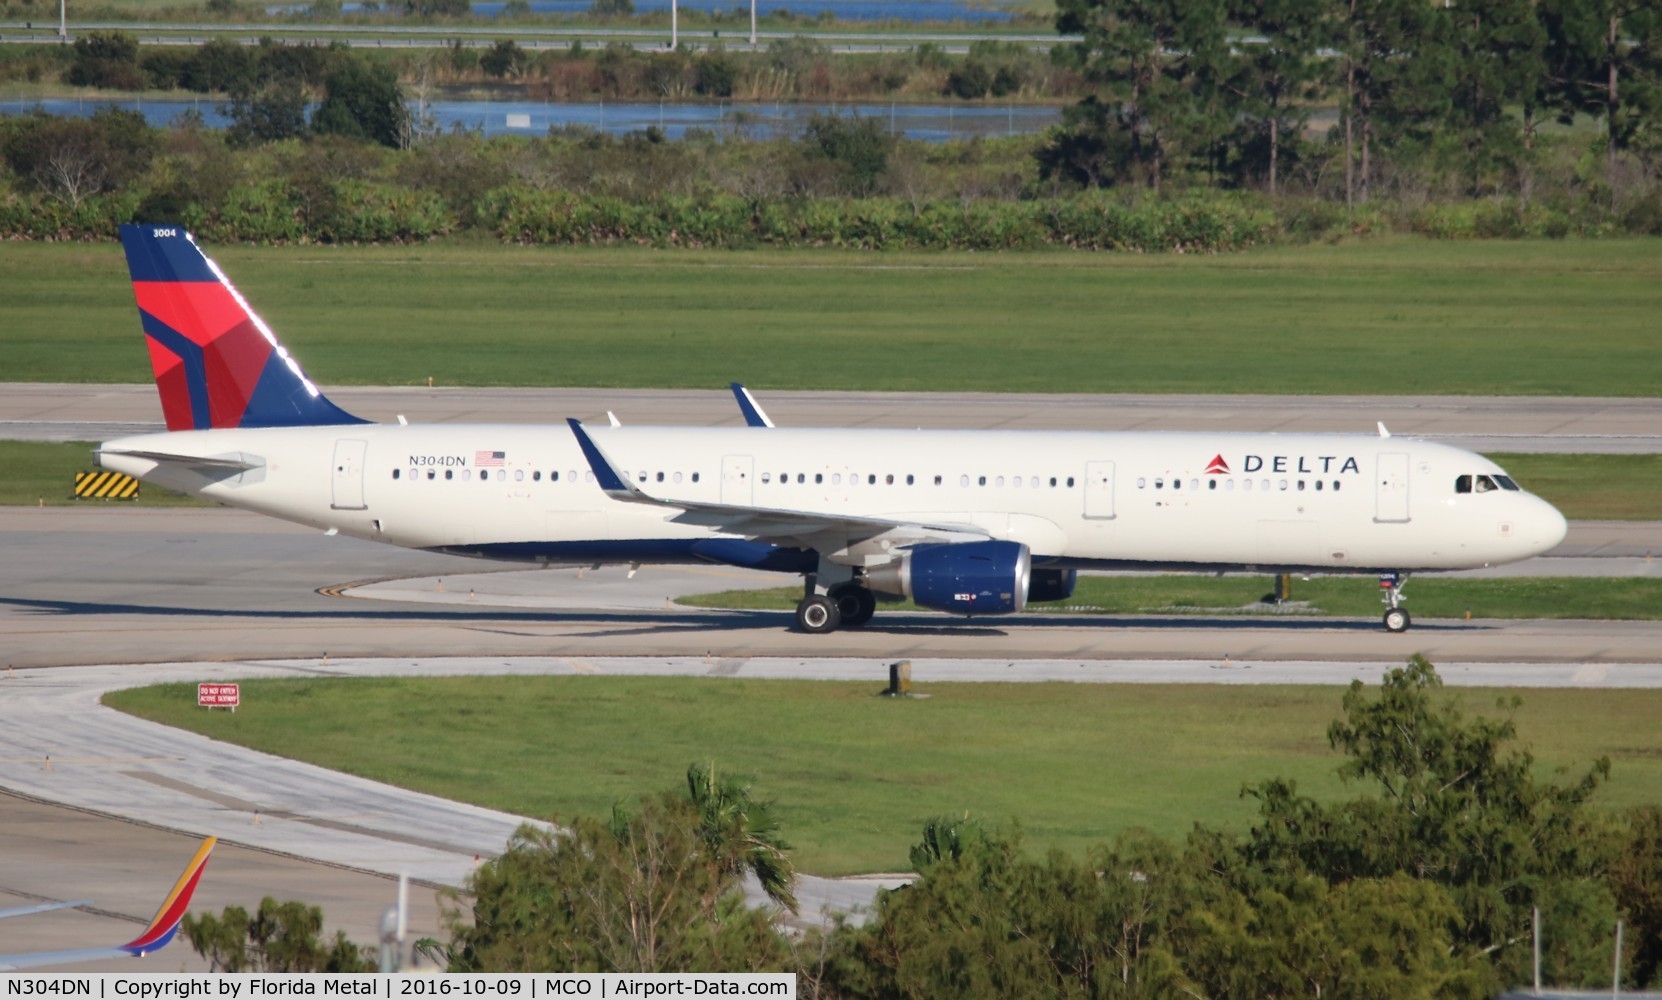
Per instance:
{"type": "Point", "coordinates": [753, 415]}
{"type": "Point", "coordinates": [166, 921]}
{"type": "Point", "coordinates": [615, 484]}
{"type": "Point", "coordinates": [1382, 431]}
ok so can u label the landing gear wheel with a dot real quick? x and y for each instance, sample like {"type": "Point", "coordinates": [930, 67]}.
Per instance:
{"type": "Point", "coordinates": [1397, 620]}
{"type": "Point", "coordinates": [817, 615]}
{"type": "Point", "coordinates": [855, 603]}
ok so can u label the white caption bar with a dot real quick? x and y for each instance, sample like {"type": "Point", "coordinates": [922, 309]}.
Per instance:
{"type": "Point", "coordinates": [393, 986]}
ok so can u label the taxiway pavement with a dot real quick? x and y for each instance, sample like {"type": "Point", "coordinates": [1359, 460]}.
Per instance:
{"type": "Point", "coordinates": [71, 412]}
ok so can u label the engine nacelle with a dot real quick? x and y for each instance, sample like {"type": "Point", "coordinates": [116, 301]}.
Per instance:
{"type": "Point", "coordinates": [965, 578]}
{"type": "Point", "coordinates": [1052, 585]}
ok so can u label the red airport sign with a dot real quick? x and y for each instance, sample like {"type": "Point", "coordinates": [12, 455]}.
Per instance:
{"type": "Point", "coordinates": [218, 695]}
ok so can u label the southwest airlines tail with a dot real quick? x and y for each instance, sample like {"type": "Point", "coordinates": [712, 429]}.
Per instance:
{"type": "Point", "coordinates": [216, 362]}
{"type": "Point", "coordinates": [162, 926]}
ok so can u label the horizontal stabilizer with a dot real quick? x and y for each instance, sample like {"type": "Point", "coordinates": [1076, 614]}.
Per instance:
{"type": "Point", "coordinates": [240, 464]}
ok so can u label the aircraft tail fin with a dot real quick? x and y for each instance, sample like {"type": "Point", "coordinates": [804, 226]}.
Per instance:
{"type": "Point", "coordinates": [166, 921]}
{"type": "Point", "coordinates": [217, 364]}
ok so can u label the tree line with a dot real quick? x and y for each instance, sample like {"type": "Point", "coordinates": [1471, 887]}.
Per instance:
{"type": "Point", "coordinates": [1425, 884]}
{"type": "Point", "coordinates": [1225, 90]}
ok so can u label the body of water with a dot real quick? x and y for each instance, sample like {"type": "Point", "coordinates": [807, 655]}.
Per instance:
{"type": "Point", "coordinates": [930, 122]}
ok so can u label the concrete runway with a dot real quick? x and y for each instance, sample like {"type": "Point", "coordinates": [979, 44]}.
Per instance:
{"type": "Point", "coordinates": [207, 594]}
{"type": "Point", "coordinates": [50, 412]}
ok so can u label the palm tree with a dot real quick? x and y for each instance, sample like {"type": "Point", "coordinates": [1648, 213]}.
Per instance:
{"type": "Point", "coordinates": [741, 833]}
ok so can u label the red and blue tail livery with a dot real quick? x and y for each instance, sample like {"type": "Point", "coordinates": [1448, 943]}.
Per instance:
{"type": "Point", "coordinates": [163, 926]}
{"type": "Point", "coordinates": [216, 362]}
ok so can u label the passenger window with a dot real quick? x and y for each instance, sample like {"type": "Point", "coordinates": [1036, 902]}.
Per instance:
{"type": "Point", "coordinates": [1301, 485]}
{"type": "Point", "coordinates": [536, 477]}
{"type": "Point", "coordinates": [1463, 484]}
{"type": "Point", "coordinates": [908, 480]}
{"type": "Point", "coordinates": [432, 474]}
{"type": "Point", "coordinates": [1070, 482]}
{"type": "Point", "coordinates": [395, 473]}
{"type": "Point", "coordinates": [467, 474]}
{"type": "Point", "coordinates": [982, 480]}
{"type": "Point", "coordinates": [519, 475]}
{"type": "Point", "coordinates": [937, 480]}
{"type": "Point", "coordinates": [1176, 484]}
{"type": "Point", "coordinates": [801, 477]}
{"type": "Point", "coordinates": [999, 481]}
{"type": "Point", "coordinates": [963, 480]}
{"type": "Point", "coordinates": [660, 477]}
{"type": "Point", "coordinates": [1142, 483]}
{"type": "Point", "coordinates": [871, 479]}
{"type": "Point", "coordinates": [1159, 483]}
{"type": "Point", "coordinates": [767, 477]}
{"type": "Point", "coordinates": [1194, 484]}
{"type": "Point", "coordinates": [1284, 484]}
{"type": "Point", "coordinates": [1246, 484]}
{"type": "Point", "coordinates": [819, 477]}
{"type": "Point", "coordinates": [836, 479]}
{"type": "Point", "coordinates": [888, 480]}
{"type": "Point", "coordinates": [1335, 486]}
{"type": "Point", "coordinates": [1211, 484]}
{"type": "Point", "coordinates": [448, 474]}
{"type": "Point", "coordinates": [1318, 486]}
{"type": "Point", "coordinates": [677, 477]}
{"type": "Point", "coordinates": [695, 477]}
{"type": "Point", "coordinates": [1229, 485]}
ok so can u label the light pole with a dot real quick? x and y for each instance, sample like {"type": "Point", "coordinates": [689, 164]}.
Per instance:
{"type": "Point", "coordinates": [63, 26]}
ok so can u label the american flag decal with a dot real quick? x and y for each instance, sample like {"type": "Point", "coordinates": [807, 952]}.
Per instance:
{"type": "Point", "coordinates": [487, 459]}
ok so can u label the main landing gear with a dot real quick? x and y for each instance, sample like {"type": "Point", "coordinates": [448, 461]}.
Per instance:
{"type": "Point", "coordinates": [845, 604]}
{"type": "Point", "coordinates": [1396, 616]}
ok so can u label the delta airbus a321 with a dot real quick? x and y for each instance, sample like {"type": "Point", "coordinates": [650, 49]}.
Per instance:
{"type": "Point", "coordinates": [967, 522]}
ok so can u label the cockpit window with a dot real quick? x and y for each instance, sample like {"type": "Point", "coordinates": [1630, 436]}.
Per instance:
{"type": "Point", "coordinates": [1506, 483]}
{"type": "Point", "coordinates": [1463, 484]}
{"type": "Point", "coordinates": [1485, 484]}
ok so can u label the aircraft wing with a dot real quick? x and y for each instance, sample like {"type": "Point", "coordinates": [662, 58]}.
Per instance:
{"type": "Point", "coordinates": [23, 911]}
{"type": "Point", "coordinates": [160, 931]}
{"type": "Point", "coordinates": [811, 528]}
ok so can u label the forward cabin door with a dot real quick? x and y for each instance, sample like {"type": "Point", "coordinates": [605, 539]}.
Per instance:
{"type": "Point", "coordinates": [1099, 490]}
{"type": "Point", "coordinates": [737, 486]}
{"type": "Point", "coordinates": [349, 475]}
{"type": "Point", "coordinates": [1391, 485]}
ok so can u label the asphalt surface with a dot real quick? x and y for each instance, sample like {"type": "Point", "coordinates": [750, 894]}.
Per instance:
{"type": "Point", "coordinates": [57, 412]}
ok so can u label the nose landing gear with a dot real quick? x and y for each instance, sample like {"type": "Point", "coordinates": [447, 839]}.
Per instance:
{"type": "Point", "coordinates": [1396, 617]}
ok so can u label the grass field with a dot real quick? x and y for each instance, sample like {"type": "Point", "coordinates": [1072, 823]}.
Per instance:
{"type": "Point", "coordinates": [1395, 316]}
{"type": "Point", "coordinates": [1620, 599]}
{"type": "Point", "coordinates": [856, 775]}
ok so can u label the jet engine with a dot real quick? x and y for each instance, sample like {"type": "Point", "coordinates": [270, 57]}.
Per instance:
{"type": "Point", "coordinates": [1052, 585]}
{"type": "Point", "coordinates": [966, 578]}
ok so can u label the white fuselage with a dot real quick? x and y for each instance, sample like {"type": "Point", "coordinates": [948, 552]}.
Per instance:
{"type": "Point", "coordinates": [1321, 502]}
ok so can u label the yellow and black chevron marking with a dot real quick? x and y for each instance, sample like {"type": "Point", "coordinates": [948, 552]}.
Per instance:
{"type": "Point", "coordinates": [105, 486]}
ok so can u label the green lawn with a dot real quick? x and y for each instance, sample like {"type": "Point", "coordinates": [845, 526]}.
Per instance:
{"type": "Point", "coordinates": [1394, 317]}
{"type": "Point", "coordinates": [856, 775]}
{"type": "Point", "coordinates": [1621, 598]}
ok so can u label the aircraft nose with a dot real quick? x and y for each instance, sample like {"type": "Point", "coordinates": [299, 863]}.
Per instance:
{"type": "Point", "coordinates": [1547, 528]}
